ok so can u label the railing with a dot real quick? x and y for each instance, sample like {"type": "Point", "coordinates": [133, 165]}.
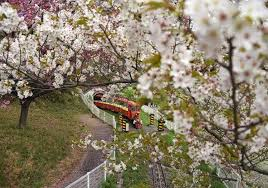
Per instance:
{"type": "Point", "coordinates": [95, 177]}
{"type": "Point", "coordinates": [92, 179]}
{"type": "Point", "coordinates": [229, 173]}
{"type": "Point", "coordinates": [101, 114]}
{"type": "Point", "coordinates": [168, 124]}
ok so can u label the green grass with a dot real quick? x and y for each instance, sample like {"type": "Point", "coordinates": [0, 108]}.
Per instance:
{"type": "Point", "coordinates": [169, 137]}
{"type": "Point", "coordinates": [110, 182]}
{"type": "Point", "coordinates": [137, 178]}
{"type": "Point", "coordinates": [145, 118]}
{"type": "Point", "coordinates": [214, 180]}
{"type": "Point", "coordinates": [27, 156]}
{"type": "Point", "coordinates": [133, 178]}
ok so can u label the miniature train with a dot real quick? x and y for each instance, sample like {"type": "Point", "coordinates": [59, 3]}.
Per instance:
{"type": "Point", "coordinates": [129, 109]}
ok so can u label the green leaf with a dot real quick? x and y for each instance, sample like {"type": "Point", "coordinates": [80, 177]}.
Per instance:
{"type": "Point", "coordinates": [154, 5]}
{"type": "Point", "coordinates": [205, 167]}
{"type": "Point", "coordinates": [2, 17]}
{"type": "Point", "coordinates": [197, 75]}
{"type": "Point", "coordinates": [213, 73]}
{"type": "Point", "coordinates": [210, 62]}
{"type": "Point", "coordinates": [153, 61]}
{"type": "Point", "coordinates": [82, 21]}
{"type": "Point", "coordinates": [143, 100]}
{"type": "Point", "coordinates": [228, 113]}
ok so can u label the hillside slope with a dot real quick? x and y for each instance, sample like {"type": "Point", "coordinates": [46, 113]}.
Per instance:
{"type": "Point", "coordinates": [41, 153]}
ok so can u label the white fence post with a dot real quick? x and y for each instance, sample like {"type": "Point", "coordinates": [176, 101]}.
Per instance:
{"type": "Point", "coordinates": [105, 170]}
{"type": "Point", "coordinates": [114, 123]}
{"type": "Point", "coordinates": [88, 180]}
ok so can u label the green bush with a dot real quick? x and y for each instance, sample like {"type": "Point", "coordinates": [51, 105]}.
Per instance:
{"type": "Point", "coordinates": [109, 183]}
{"type": "Point", "coordinates": [136, 178]}
{"type": "Point", "coordinates": [130, 93]}
{"type": "Point", "coordinates": [140, 185]}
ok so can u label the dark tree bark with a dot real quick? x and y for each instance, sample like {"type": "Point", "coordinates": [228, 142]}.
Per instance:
{"type": "Point", "coordinates": [24, 111]}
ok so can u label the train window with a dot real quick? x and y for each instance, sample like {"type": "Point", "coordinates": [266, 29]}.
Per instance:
{"type": "Point", "coordinates": [122, 103]}
{"type": "Point", "coordinates": [133, 108]}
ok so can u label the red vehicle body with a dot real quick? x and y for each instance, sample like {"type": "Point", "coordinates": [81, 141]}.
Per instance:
{"type": "Point", "coordinates": [129, 109]}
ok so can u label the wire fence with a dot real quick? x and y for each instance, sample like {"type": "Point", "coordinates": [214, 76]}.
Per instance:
{"type": "Point", "coordinates": [92, 179]}
{"type": "Point", "coordinates": [231, 174]}
{"type": "Point", "coordinates": [95, 177]}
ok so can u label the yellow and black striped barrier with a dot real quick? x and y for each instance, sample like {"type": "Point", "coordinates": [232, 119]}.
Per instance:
{"type": "Point", "coordinates": [151, 119]}
{"type": "Point", "coordinates": [124, 125]}
{"type": "Point", "coordinates": [161, 123]}
{"type": "Point", "coordinates": [120, 120]}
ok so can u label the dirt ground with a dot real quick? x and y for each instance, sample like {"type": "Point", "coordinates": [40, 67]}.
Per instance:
{"type": "Point", "coordinates": [91, 158]}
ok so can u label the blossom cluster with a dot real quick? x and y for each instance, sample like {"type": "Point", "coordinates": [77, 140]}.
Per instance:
{"type": "Point", "coordinates": [214, 57]}
{"type": "Point", "coordinates": [211, 55]}
{"type": "Point", "coordinates": [63, 48]}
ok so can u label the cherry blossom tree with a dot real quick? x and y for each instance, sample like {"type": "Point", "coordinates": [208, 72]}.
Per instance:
{"type": "Point", "coordinates": [210, 58]}
{"type": "Point", "coordinates": [213, 59]}
{"type": "Point", "coordinates": [61, 50]}
{"type": "Point", "coordinates": [30, 9]}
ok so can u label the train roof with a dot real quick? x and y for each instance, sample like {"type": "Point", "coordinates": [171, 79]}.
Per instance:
{"type": "Point", "coordinates": [118, 98]}
{"type": "Point", "coordinates": [122, 99]}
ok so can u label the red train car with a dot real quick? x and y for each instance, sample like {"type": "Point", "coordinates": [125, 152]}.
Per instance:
{"type": "Point", "coordinates": [127, 108]}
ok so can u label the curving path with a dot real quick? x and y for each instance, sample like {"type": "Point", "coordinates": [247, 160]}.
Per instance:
{"type": "Point", "coordinates": [92, 158]}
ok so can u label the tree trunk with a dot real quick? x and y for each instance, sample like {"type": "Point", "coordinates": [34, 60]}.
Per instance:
{"type": "Point", "coordinates": [24, 104]}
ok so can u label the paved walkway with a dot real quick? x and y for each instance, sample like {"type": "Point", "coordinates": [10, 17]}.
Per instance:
{"type": "Point", "coordinates": [92, 158]}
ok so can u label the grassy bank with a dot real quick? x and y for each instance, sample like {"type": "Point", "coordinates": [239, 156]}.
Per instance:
{"type": "Point", "coordinates": [137, 178]}
{"type": "Point", "coordinates": [145, 118]}
{"type": "Point", "coordinates": [33, 157]}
